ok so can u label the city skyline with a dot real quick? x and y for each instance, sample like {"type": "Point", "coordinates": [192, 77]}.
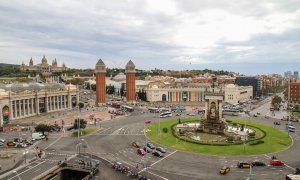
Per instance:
{"type": "Point", "coordinates": [257, 37]}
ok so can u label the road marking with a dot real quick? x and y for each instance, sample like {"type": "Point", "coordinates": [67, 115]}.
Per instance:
{"type": "Point", "coordinates": [105, 130]}
{"type": "Point", "coordinates": [53, 142]}
{"type": "Point", "coordinates": [159, 160]}
{"type": "Point", "coordinates": [37, 170]}
{"type": "Point", "coordinates": [117, 131]}
{"type": "Point", "coordinates": [157, 175]}
{"type": "Point", "coordinates": [26, 170]}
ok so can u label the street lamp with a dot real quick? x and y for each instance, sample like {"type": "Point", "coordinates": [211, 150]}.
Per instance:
{"type": "Point", "coordinates": [17, 174]}
{"type": "Point", "coordinates": [24, 153]}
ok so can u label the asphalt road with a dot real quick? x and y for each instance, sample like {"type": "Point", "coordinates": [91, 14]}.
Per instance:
{"type": "Point", "coordinates": [113, 143]}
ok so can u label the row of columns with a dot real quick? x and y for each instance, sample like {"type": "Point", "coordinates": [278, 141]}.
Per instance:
{"type": "Point", "coordinates": [31, 106]}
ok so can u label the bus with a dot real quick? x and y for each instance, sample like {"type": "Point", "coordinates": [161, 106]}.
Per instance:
{"type": "Point", "coordinates": [231, 112]}
{"type": "Point", "coordinates": [127, 108]}
{"type": "Point", "coordinates": [292, 177]}
{"type": "Point", "coordinates": [153, 109]}
{"type": "Point", "coordinates": [178, 109]}
{"type": "Point", "coordinates": [165, 115]}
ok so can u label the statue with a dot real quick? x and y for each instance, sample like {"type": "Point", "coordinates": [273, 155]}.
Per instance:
{"type": "Point", "coordinates": [212, 114]}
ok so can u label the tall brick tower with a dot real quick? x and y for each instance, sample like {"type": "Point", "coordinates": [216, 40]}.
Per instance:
{"type": "Point", "coordinates": [100, 71]}
{"type": "Point", "coordinates": [130, 81]}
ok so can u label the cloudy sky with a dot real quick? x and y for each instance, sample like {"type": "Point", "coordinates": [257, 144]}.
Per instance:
{"type": "Point", "coordinates": [246, 36]}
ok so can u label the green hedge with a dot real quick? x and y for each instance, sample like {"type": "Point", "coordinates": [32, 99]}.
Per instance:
{"type": "Point", "coordinates": [256, 142]}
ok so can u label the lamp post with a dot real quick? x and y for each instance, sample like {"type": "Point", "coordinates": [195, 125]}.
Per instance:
{"type": "Point", "coordinates": [24, 153]}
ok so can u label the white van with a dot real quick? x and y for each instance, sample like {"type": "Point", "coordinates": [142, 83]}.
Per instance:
{"type": "Point", "coordinates": [37, 136]}
{"type": "Point", "coordinates": [291, 128]}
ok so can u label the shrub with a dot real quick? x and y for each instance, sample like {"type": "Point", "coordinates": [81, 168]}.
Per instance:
{"type": "Point", "coordinates": [256, 142]}
{"type": "Point", "coordinates": [251, 135]}
{"type": "Point", "coordinates": [165, 130]}
{"type": "Point", "coordinates": [234, 124]}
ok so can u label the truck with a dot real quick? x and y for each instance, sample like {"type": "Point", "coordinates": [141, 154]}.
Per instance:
{"type": "Point", "coordinates": [37, 136]}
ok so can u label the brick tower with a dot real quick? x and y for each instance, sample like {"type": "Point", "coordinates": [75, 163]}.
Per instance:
{"type": "Point", "coordinates": [130, 81]}
{"type": "Point", "coordinates": [100, 71]}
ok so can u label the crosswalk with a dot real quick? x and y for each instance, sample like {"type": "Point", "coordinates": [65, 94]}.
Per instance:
{"type": "Point", "coordinates": [124, 130]}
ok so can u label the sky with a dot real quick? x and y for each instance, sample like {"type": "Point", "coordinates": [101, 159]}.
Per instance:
{"type": "Point", "coordinates": [246, 36]}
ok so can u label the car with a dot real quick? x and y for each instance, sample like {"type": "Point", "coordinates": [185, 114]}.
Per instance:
{"type": "Point", "coordinates": [136, 144]}
{"type": "Point", "coordinates": [20, 145]}
{"type": "Point", "coordinates": [224, 170]}
{"type": "Point", "coordinates": [160, 149]}
{"type": "Point", "coordinates": [2, 140]}
{"type": "Point", "coordinates": [243, 165]}
{"type": "Point", "coordinates": [276, 162]}
{"type": "Point", "coordinates": [150, 145]}
{"type": "Point", "coordinates": [267, 117]}
{"type": "Point", "coordinates": [147, 149]}
{"type": "Point", "coordinates": [258, 113]}
{"type": "Point", "coordinates": [2, 143]}
{"type": "Point", "coordinates": [276, 123]}
{"type": "Point", "coordinates": [255, 115]}
{"type": "Point", "coordinates": [10, 144]}
{"type": "Point", "coordinates": [147, 121]}
{"type": "Point", "coordinates": [258, 163]}
{"type": "Point", "coordinates": [191, 114]}
{"type": "Point", "coordinates": [141, 151]}
{"type": "Point", "coordinates": [158, 153]}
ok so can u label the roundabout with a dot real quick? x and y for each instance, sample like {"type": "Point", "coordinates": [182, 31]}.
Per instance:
{"type": "Point", "coordinates": [267, 140]}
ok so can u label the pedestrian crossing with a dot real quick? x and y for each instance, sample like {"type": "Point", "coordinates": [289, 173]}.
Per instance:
{"type": "Point", "coordinates": [123, 130]}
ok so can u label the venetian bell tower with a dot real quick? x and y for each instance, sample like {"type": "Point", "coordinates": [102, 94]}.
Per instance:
{"type": "Point", "coordinates": [130, 82]}
{"type": "Point", "coordinates": [100, 71]}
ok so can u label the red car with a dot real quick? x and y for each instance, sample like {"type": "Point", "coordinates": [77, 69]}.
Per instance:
{"type": "Point", "coordinates": [276, 162]}
{"type": "Point", "coordinates": [141, 151]}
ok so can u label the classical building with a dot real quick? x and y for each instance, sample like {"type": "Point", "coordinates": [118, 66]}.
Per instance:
{"type": "Point", "coordinates": [24, 100]}
{"type": "Point", "coordinates": [43, 68]}
{"type": "Point", "coordinates": [235, 94]}
{"type": "Point", "coordinates": [130, 82]}
{"type": "Point", "coordinates": [294, 93]}
{"type": "Point", "coordinates": [100, 82]}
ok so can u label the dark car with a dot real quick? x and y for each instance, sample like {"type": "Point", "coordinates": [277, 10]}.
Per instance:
{"type": "Point", "coordinates": [136, 144]}
{"type": "Point", "coordinates": [258, 163]}
{"type": "Point", "coordinates": [243, 165]}
{"type": "Point", "coordinates": [224, 170]}
{"type": "Point", "coordinates": [147, 149]}
{"type": "Point", "coordinates": [276, 123]}
{"type": "Point", "coordinates": [150, 145]}
{"type": "Point", "coordinates": [158, 154]}
{"type": "Point", "coordinates": [160, 149]}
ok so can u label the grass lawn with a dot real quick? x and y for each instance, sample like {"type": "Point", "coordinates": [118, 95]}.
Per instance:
{"type": "Point", "coordinates": [275, 140]}
{"type": "Point", "coordinates": [84, 132]}
{"type": "Point", "coordinates": [297, 114]}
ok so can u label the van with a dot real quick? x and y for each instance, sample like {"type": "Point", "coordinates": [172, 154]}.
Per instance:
{"type": "Point", "coordinates": [37, 136]}
{"type": "Point", "coordinates": [291, 128]}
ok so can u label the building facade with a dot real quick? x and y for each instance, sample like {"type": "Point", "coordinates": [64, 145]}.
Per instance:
{"type": "Point", "coordinates": [294, 93]}
{"type": "Point", "coordinates": [235, 94]}
{"type": "Point", "coordinates": [24, 100]}
{"type": "Point", "coordinates": [255, 82]}
{"type": "Point", "coordinates": [43, 68]}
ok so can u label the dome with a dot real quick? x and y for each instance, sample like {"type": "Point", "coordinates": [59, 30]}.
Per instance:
{"type": "Point", "coordinates": [120, 77]}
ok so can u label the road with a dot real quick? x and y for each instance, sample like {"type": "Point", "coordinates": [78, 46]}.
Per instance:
{"type": "Point", "coordinates": [113, 143]}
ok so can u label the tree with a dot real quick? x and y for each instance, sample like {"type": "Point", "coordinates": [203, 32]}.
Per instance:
{"type": "Point", "coordinates": [122, 91]}
{"type": "Point", "coordinates": [42, 128]}
{"type": "Point", "coordinates": [82, 124]}
{"type": "Point", "coordinates": [110, 89]}
{"type": "Point", "coordinates": [77, 81]}
{"type": "Point", "coordinates": [276, 100]}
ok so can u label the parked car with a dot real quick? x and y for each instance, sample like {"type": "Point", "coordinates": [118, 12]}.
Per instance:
{"type": "Point", "coordinates": [141, 151]}
{"type": "Point", "coordinates": [150, 145]}
{"type": "Point", "coordinates": [276, 123]}
{"type": "Point", "coordinates": [2, 143]}
{"type": "Point", "coordinates": [37, 136]}
{"type": "Point", "coordinates": [10, 144]}
{"type": "Point", "coordinates": [258, 113]}
{"type": "Point", "coordinates": [158, 153]}
{"type": "Point", "coordinates": [276, 162]}
{"type": "Point", "coordinates": [136, 144]}
{"type": "Point", "coordinates": [160, 149]}
{"type": "Point", "coordinates": [243, 165]}
{"type": "Point", "coordinates": [224, 170]}
{"type": "Point", "coordinates": [20, 145]}
{"type": "Point", "coordinates": [147, 149]}
{"type": "Point", "coordinates": [2, 140]}
{"type": "Point", "coordinates": [258, 163]}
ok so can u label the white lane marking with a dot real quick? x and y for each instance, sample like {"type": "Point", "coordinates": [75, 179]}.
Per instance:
{"type": "Point", "coordinates": [104, 130]}
{"type": "Point", "coordinates": [53, 142]}
{"type": "Point", "coordinates": [159, 160]}
{"type": "Point", "coordinates": [157, 175]}
{"type": "Point", "coordinates": [37, 170]}
{"type": "Point", "coordinates": [26, 170]}
{"type": "Point", "coordinates": [116, 131]}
